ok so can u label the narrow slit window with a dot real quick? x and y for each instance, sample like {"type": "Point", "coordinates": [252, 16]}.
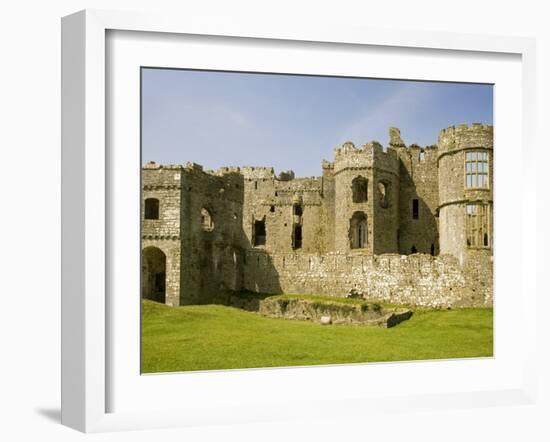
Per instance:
{"type": "Point", "coordinates": [415, 209]}
{"type": "Point", "coordinates": [297, 237]}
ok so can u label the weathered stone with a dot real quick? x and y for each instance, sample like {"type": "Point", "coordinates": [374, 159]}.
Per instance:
{"type": "Point", "coordinates": [390, 224]}
{"type": "Point", "coordinates": [395, 137]}
{"type": "Point", "coordinates": [325, 320]}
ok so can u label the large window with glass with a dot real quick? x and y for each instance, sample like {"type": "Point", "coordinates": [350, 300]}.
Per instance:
{"type": "Point", "coordinates": [477, 169]}
{"type": "Point", "coordinates": [478, 225]}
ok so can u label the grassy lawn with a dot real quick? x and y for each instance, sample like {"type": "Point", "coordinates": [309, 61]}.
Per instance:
{"type": "Point", "coordinates": [205, 337]}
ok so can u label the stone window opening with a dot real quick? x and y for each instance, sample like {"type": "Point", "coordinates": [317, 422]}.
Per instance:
{"type": "Point", "coordinates": [297, 237]}
{"type": "Point", "coordinates": [255, 185]}
{"type": "Point", "coordinates": [272, 209]}
{"type": "Point", "coordinates": [207, 223]}
{"type": "Point", "coordinates": [476, 170]}
{"type": "Point", "coordinates": [153, 263]}
{"type": "Point", "coordinates": [259, 238]}
{"type": "Point", "coordinates": [151, 208]}
{"type": "Point", "coordinates": [413, 249]}
{"type": "Point", "coordinates": [359, 187]}
{"type": "Point", "coordinates": [478, 229]}
{"type": "Point", "coordinates": [415, 209]}
{"type": "Point", "coordinates": [384, 189]}
{"type": "Point", "coordinates": [422, 155]}
{"type": "Point", "coordinates": [358, 231]}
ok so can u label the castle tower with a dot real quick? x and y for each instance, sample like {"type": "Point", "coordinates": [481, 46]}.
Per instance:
{"type": "Point", "coordinates": [465, 157]}
{"type": "Point", "coordinates": [366, 187]}
{"type": "Point", "coordinates": [160, 234]}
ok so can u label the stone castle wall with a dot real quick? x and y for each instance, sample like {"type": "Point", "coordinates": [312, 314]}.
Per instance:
{"type": "Point", "coordinates": [420, 279]}
{"type": "Point", "coordinates": [246, 228]}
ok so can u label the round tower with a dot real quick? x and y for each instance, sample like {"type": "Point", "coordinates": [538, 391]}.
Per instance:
{"type": "Point", "coordinates": [366, 184]}
{"type": "Point", "coordinates": [466, 192]}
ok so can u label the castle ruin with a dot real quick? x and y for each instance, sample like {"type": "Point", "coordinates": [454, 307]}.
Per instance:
{"type": "Point", "coordinates": [405, 224]}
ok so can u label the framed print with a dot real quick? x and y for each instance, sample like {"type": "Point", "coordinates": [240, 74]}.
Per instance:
{"type": "Point", "coordinates": [236, 248]}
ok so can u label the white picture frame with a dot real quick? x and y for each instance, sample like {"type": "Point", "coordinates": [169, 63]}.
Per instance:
{"type": "Point", "coordinates": [86, 218]}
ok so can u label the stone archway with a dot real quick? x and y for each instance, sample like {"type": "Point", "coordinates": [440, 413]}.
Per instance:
{"type": "Point", "coordinates": [153, 274]}
{"type": "Point", "coordinates": [358, 231]}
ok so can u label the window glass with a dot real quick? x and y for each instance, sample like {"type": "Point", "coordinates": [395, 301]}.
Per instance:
{"type": "Point", "coordinates": [476, 170]}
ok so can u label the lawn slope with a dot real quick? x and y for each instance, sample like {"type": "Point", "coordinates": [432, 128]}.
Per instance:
{"type": "Point", "coordinates": [206, 337]}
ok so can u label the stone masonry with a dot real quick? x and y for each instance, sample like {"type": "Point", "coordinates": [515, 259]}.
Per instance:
{"type": "Point", "coordinates": [404, 224]}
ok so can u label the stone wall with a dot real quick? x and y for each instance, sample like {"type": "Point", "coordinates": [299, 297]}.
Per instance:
{"type": "Point", "coordinates": [419, 279]}
{"type": "Point", "coordinates": [418, 181]}
{"type": "Point", "coordinates": [164, 233]}
{"type": "Point", "coordinates": [246, 228]}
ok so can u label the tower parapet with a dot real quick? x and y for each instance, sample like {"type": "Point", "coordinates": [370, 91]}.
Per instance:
{"type": "Point", "coordinates": [464, 136]}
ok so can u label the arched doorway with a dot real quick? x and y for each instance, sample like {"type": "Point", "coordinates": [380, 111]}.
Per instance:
{"type": "Point", "coordinates": [153, 274]}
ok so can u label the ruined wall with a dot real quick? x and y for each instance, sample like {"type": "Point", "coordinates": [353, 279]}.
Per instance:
{"type": "Point", "coordinates": [210, 224]}
{"type": "Point", "coordinates": [271, 199]}
{"type": "Point", "coordinates": [213, 240]}
{"type": "Point", "coordinates": [328, 208]}
{"type": "Point", "coordinates": [419, 279]}
{"type": "Point", "coordinates": [385, 203]}
{"type": "Point", "coordinates": [418, 181]}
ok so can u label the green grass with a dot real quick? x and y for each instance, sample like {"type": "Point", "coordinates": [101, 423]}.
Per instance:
{"type": "Point", "coordinates": [207, 337]}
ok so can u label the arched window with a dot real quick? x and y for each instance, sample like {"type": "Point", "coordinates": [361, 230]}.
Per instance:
{"type": "Point", "coordinates": [153, 274]}
{"type": "Point", "coordinates": [478, 222]}
{"type": "Point", "coordinates": [358, 231]}
{"type": "Point", "coordinates": [384, 187]}
{"type": "Point", "coordinates": [206, 220]}
{"type": "Point", "coordinates": [151, 208]}
{"type": "Point", "coordinates": [359, 187]}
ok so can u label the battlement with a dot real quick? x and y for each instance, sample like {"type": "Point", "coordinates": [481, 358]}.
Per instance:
{"type": "Point", "coordinates": [151, 165]}
{"type": "Point", "coordinates": [463, 136]}
{"type": "Point", "coordinates": [370, 155]}
{"type": "Point", "coordinates": [258, 173]}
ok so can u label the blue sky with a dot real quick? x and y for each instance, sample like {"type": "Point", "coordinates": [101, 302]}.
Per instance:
{"type": "Point", "coordinates": [292, 122]}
